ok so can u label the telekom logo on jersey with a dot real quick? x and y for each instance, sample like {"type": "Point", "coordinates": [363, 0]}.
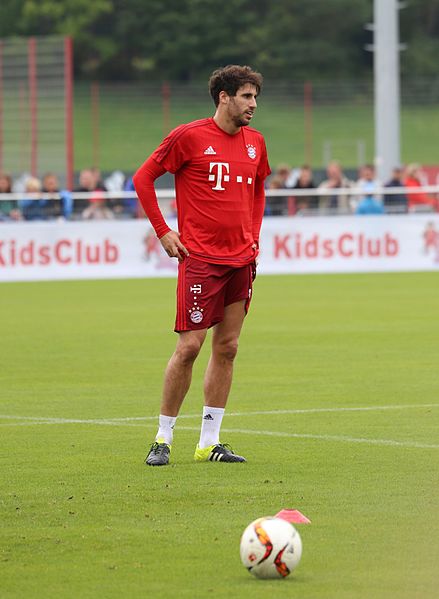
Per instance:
{"type": "Point", "coordinates": [220, 172]}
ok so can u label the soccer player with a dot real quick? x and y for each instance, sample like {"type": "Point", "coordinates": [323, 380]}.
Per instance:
{"type": "Point", "coordinates": [220, 165]}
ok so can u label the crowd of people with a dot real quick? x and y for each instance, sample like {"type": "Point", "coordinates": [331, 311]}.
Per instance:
{"type": "Point", "coordinates": [361, 196]}
{"type": "Point", "coordinates": [45, 199]}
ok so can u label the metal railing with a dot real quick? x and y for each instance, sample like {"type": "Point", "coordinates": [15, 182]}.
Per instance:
{"type": "Point", "coordinates": [286, 201]}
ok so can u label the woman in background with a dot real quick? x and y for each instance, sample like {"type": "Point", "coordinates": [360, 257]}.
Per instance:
{"type": "Point", "coordinates": [8, 208]}
{"type": "Point", "coordinates": [416, 198]}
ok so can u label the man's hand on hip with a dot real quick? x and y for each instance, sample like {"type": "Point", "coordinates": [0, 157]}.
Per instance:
{"type": "Point", "coordinates": [172, 245]}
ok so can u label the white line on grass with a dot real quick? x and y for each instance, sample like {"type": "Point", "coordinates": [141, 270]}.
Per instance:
{"type": "Point", "coordinates": [32, 420]}
{"type": "Point", "coordinates": [293, 411]}
{"type": "Point", "coordinates": [66, 421]}
{"type": "Point", "coordinates": [341, 409]}
{"type": "Point", "coordinates": [241, 431]}
{"type": "Point", "coordinates": [389, 442]}
{"type": "Point", "coordinates": [109, 421]}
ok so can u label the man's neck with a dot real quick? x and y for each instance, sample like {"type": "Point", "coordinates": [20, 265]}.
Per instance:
{"type": "Point", "coordinates": [225, 124]}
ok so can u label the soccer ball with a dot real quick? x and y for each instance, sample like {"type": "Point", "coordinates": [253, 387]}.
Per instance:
{"type": "Point", "coordinates": [270, 548]}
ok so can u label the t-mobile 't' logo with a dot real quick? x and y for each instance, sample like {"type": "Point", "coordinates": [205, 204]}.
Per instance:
{"type": "Point", "coordinates": [219, 172]}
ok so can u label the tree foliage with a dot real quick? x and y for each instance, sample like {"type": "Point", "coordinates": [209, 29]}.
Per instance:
{"type": "Point", "coordinates": [186, 39]}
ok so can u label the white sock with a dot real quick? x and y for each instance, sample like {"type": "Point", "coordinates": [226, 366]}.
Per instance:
{"type": "Point", "coordinates": [166, 428]}
{"type": "Point", "coordinates": [210, 426]}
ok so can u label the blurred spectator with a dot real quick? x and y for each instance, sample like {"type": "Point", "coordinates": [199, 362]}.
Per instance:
{"type": "Point", "coordinates": [282, 178]}
{"type": "Point", "coordinates": [282, 175]}
{"type": "Point", "coordinates": [274, 206]}
{"type": "Point", "coordinates": [97, 209]}
{"type": "Point", "coordinates": [132, 205]}
{"type": "Point", "coordinates": [276, 182]}
{"type": "Point", "coordinates": [60, 202]}
{"type": "Point", "coordinates": [8, 208]}
{"type": "Point", "coordinates": [89, 180]}
{"type": "Point", "coordinates": [99, 183]}
{"type": "Point", "coordinates": [396, 202]}
{"type": "Point", "coordinates": [33, 208]}
{"type": "Point", "coordinates": [335, 179]}
{"type": "Point", "coordinates": [304, 181]}
{"type": "Point", "coordinates": [417, 199]}
{"type": "Point", "coordinates": [127, 206]}
{"type": "Point", "coordinates": [370, 203]}
{"type": "Point", "coordinates": [115, 181]}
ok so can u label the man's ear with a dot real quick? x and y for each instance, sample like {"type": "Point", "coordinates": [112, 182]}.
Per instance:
{"type": "Point", "coordinates": [224, 97]}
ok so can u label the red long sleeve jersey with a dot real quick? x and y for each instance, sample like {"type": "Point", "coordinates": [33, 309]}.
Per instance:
{"type": "Point", "coordinates": [219, 182]}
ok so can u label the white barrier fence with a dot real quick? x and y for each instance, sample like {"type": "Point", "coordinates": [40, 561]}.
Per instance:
{"type": "Point", "coordinates": [170, 193]}
{"type": "Point", "coordinates": [280, 202]}
{"type": "Point", "coordinates": [37, 250]}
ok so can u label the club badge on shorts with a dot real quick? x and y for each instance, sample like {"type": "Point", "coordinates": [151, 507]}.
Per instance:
{"type": "Point", "coordinates": [196, 316]}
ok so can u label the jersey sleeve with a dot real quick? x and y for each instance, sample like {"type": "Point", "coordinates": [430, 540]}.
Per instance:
{"type": "Point", "coordinates": [143, 181]}
{"type": "Point", "coordinates": [263, 166]}
{"type": "Point", "coordinates": [171, 153]}
{"type": "Point", "coordinates": [258, 209]}
{"type": "Point", "coordinates": [259, 201]}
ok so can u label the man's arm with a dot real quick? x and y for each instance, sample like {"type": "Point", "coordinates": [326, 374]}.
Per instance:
{"type": "Point", "coordinates": [144, 185]}
{"type": "Point", "coordinates": [258, 209]}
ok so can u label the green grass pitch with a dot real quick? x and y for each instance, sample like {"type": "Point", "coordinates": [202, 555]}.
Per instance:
{"type": "Point", "coordinates": [81, 516]}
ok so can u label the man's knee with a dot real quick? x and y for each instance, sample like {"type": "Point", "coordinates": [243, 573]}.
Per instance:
{"type": "Point", "coordinates": [227, 349]}
{"type": "Point", "coordinates": [188, 350]}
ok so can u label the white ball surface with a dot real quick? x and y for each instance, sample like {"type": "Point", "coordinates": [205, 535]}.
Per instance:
{"type": "Point", "coordinates": [270, 548]}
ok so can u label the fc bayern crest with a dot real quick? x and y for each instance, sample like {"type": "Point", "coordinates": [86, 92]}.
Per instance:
{"type": "Point", "coordinates": [251, 151]}
{"type": "Point", "coordinates": [196, 316]}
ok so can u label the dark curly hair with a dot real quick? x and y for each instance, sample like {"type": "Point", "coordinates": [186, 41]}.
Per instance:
{"type": "Point", "coordinates": [231, 78]}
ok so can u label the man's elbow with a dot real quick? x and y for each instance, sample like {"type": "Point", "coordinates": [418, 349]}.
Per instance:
{"type": "Point", "coordinates": [136, 179]}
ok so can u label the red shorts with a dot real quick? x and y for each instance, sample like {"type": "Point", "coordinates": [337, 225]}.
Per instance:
{"type": "Point", "coordinates": [204, 290]}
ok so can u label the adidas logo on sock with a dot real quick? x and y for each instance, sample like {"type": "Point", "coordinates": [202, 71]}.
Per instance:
{"type": "Point", "coordinates": [209, 150]}
{"type": "Point", "coordinates": [208, 417]}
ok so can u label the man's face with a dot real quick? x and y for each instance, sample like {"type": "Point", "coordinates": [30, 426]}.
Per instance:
{"type": "Point", "coordinates": [368, 174]}
{"type": "Point", "coordinates": [305, 175]}
{"type": "Point", "coordinates": [242, 106]}
{"type": "Point", "coordinates": [86, 179]}
{"type": "Point", "coordinates": [4, 185]}
{"type": "Point", "coordinates": [50, 183]}
{"type": "Point", "coordinates": [334, 171]}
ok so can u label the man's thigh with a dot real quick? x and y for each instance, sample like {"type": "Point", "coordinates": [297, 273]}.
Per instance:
{"type": "Point", "coordinates": [229, 329]}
